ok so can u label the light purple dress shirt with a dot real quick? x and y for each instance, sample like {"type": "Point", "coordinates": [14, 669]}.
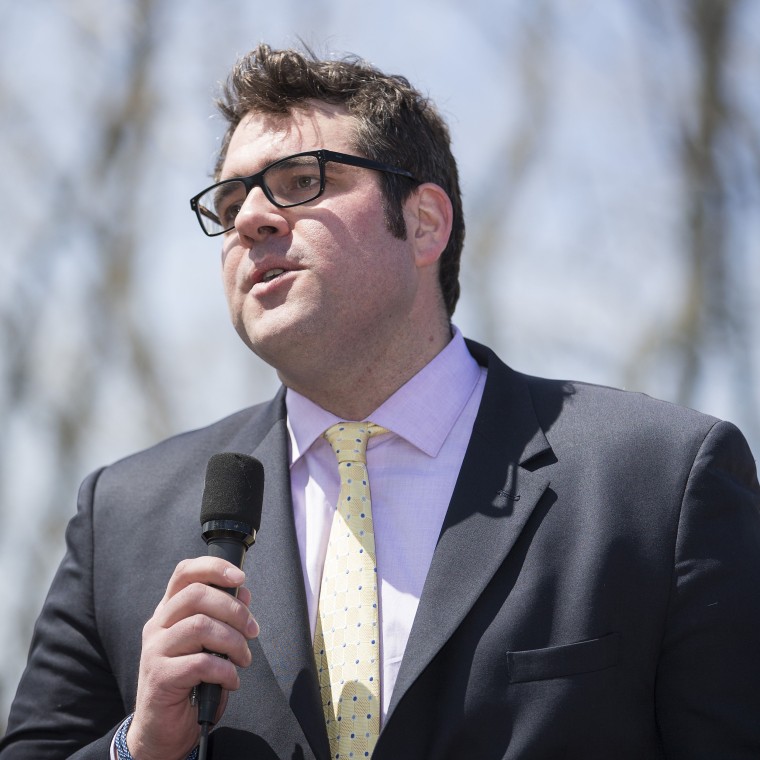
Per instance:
{"type": "Point", "coordinates": [412, 472]}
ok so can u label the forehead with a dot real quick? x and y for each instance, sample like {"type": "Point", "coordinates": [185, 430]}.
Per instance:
{"type": "Point", "coordinates": [262, 138]}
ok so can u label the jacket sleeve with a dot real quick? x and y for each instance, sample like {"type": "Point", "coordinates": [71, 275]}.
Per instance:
{"type": "Point", "coordinates": [68, 703]}
{"type": "Point", "coordinates": [708, 677]}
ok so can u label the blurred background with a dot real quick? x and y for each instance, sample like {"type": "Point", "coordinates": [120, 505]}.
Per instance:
{"type": "Point", "coordinates": [610, 160]}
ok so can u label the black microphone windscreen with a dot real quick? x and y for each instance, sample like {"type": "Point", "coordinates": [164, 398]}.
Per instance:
{"type": "Point", "coordinates": [234, 489]}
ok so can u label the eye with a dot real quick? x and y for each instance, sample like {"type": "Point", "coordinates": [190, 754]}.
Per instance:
{"type": "Point", "coordinates": [228, 201]}
{"type": "Point", "coordinates": [295, 184]}
{"type": "Point", "coordinates": [305, 182]}
{"type": "Point", "coordinates": [228, 213]}
{"type": "Point", "coordinates": [294, 180]}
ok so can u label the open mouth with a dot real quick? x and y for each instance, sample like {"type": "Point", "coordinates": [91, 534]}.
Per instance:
{"type": "Point", "coordinates": [272, 274]}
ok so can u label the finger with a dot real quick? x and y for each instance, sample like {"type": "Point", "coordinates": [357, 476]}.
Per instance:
{"type": "Point", "coordinates": [198, 633]}
{"type": "Point", "coordinates": [244, 595]}
{"type": "Point", "coordinates": [208, 570]}
{"type": "Point", "coordinates": [205, 667]}
{"type": "Point", "coordinates": [253, 629]}
{"type": "Point", "coordinates": [168, 681]}
{"type": "Point", "coordinates": [199, 598]}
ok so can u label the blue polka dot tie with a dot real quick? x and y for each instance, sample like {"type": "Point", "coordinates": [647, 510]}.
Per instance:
{"type": "Point", "coordinates": [347, 641]}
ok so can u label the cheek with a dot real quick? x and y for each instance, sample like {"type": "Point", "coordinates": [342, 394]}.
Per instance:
{"type": "Point", "coordinates": [230, 262]}
{"type": "Point", "coordinates": [228, 280]}
{"type": "Point", "coordinates": [230, 256]}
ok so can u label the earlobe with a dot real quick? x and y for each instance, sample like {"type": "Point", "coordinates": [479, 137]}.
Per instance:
{"type": "Point", "coordinates": [429, 220]}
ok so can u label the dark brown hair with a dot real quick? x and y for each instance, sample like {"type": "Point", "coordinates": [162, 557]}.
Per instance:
{"type": "Point", "coordinates": [395, 125]}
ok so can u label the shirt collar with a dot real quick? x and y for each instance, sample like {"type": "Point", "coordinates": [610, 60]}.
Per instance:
{"type": "Point", "coordinates": [423, 411]}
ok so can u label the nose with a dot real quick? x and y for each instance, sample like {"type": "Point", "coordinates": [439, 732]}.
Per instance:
{"type": "Point", "coordinates": [259, 218]}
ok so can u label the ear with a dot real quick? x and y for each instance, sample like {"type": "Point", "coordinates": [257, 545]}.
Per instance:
{"type": "Point", "coordinates": [429, 216]}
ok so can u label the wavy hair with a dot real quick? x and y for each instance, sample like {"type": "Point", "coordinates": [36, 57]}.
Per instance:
{"type": "Point", "coordinates": [395, 124]}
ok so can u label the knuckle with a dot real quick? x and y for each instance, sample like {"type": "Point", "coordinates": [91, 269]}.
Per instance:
{"type": "Point", "coordinates": [197, 597]}
{"type": "Point", "coordinates": [199, 626]}
{"type": "Point", "coordinates": [148, 631]}
{"type": "Point", "coordinates": [198, 592]}
{"type": "Point", "coordinates": [239, 614]}
{"type": "Point", "coordinates": [183, 568]}
{"type": "Point", "coordinates": [221, 671]}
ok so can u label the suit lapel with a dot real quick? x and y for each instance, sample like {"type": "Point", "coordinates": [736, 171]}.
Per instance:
{"type": "Point", "coordinates": [493, 498]}
{"type": "Point", "coordinates": [276, 583]}
{"type": "Point", "coordinates": [492, 501]}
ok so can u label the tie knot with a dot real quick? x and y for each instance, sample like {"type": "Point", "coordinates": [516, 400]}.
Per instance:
{"type": "Point", "coordinates": [349, 439]}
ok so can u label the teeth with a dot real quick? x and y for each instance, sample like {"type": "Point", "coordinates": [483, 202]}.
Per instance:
{"type": "Point", "coordinates": [271, 274]}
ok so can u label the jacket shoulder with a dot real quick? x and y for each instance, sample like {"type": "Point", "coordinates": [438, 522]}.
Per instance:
{"type": "Point", "coordinates": [242, 431]}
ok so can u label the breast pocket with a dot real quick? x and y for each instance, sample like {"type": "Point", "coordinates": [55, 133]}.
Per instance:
{"type": "Point", "coordinates": [565, 660]}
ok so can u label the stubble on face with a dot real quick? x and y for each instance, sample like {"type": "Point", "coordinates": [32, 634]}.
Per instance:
{"type": "Point", "coordinates": [341, 313]}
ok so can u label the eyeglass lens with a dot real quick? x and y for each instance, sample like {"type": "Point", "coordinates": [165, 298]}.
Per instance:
{"type": "Point", "coordinates": [289, 182]}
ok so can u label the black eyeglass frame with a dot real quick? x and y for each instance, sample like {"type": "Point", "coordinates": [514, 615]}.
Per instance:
{"type": "Point", "coordinates": [257, 180]}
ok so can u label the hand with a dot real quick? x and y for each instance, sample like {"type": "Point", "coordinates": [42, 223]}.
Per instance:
{"type": "Point", "coordinates": [192, 616]}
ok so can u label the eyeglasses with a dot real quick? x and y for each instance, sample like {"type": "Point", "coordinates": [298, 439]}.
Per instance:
{"type": "Point", "coordinates": [288, 182]}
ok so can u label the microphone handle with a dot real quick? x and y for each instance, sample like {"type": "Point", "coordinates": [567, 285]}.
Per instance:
{"type": "Point", "coordinates": [210, 694]}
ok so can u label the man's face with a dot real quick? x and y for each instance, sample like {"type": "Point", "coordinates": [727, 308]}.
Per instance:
{"type": "Point", "coordinates": [305, 284]}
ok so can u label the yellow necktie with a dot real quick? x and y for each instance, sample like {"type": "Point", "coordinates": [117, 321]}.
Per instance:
{"type": "Point", "coordinates": [347, 637]}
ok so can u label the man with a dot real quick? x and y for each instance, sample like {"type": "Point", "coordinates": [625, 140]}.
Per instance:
{"type": "Point", "coordinates": [562, 570]}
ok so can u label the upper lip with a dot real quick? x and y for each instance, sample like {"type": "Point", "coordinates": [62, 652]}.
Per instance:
{"type": "Point", "coordinates": [260, 269]}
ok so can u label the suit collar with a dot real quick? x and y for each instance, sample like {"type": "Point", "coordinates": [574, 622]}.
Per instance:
{"type": "Point", "coordinates": [494, 496]}
{"type": "Point", "coordinates": [515, 425]}
{"type": "Point", "coordinates": [276, 579]}
{"type": "Point", "coordinates": [422, 411]}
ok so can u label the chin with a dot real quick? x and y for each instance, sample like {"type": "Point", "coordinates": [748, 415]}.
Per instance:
{"type": "Point", "coordinates": [276, 340]}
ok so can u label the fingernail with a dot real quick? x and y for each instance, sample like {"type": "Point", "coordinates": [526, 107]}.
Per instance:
{"type": "Point", "coordinates": [252, 627]}
{"type": "Point", "coordinates": [234, 575]}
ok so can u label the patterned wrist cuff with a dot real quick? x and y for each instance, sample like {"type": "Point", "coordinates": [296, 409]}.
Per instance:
{"type": "Point", "coordinates": [120, 740]}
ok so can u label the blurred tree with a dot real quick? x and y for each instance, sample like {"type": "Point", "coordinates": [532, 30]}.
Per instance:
{"type": "Point", "coordinates": [52, 378]}
{"type": "Point", "coordinates": [715, 132]}
{"type": "Point", "coordinates": [91, 133]}
{"type": "Point", "coordinates": [530, 68]}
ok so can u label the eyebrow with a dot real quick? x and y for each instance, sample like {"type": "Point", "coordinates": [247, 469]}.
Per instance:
{"type": "Point", "coordinates": [262, 166]}
{"type": "Point", "coordinates": [221, 192]}
{"type": "Point", "coordinates": [338, 167]}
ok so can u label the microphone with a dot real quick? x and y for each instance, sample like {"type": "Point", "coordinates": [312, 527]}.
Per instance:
{"type": "Point", "coordinates": [230, 517]}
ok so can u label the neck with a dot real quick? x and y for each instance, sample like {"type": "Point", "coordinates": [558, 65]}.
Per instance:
{"type": "Point", "coordinates": [353, 390]}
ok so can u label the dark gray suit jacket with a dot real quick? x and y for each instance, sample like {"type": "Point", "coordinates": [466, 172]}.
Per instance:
{"type": "Point", "coordinates": [595, 592]}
